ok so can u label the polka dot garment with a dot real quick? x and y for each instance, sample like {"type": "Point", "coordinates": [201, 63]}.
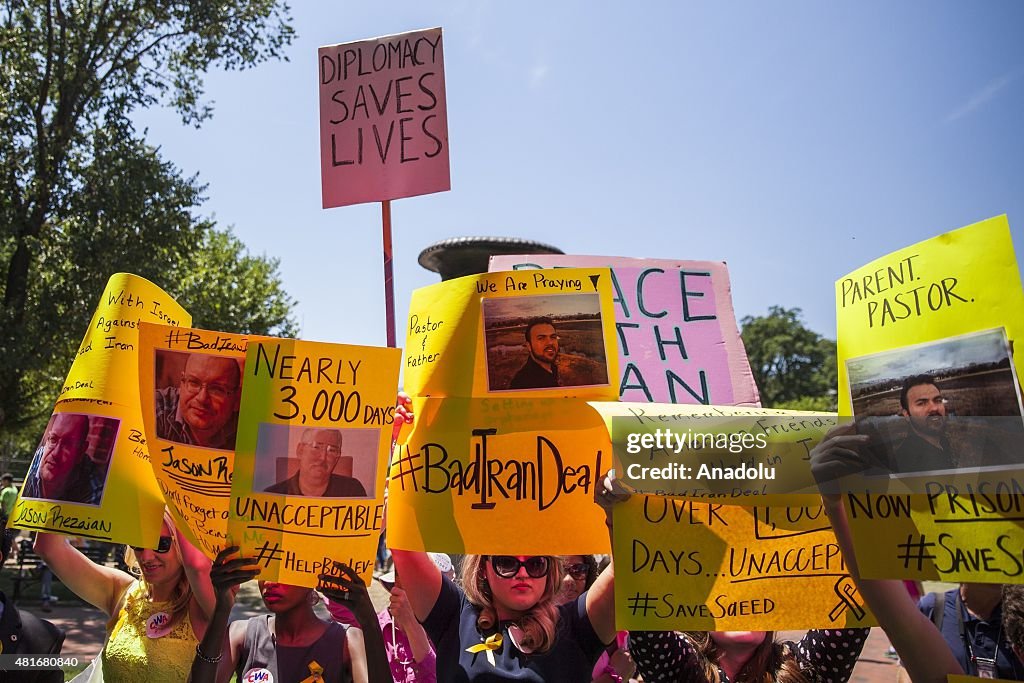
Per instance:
{"type": "Point", "coordinates": [823, 656]}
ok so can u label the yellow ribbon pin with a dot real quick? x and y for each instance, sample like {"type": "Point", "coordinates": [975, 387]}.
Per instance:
{"type": "Point", "coordinates": [316, 673]}
{"type": "Point", "coordinates": [489, 646]}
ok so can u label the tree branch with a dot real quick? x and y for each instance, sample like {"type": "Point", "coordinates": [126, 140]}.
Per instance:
{"type": "Point", "coordinates": [43, 96]}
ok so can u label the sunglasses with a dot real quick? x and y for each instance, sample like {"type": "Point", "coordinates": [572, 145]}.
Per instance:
{"type": "Point", "coordinates": [577, 571]}
{"type": "Point", "coordinates": [163, 547]}
{"type": "Point", "coordinates": [507, 566]}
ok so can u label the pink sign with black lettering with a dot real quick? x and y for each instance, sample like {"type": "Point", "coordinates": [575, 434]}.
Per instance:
{"type": "Point", "coordinates": [383, 119]}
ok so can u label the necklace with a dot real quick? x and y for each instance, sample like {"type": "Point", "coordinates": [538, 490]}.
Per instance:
{"type": "Point", "coordinates": [985, 667]}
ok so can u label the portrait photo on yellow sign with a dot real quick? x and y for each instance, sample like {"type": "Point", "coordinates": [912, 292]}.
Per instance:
{"type": "Point", "coordinates": [683, 564]}
{"type": "Point", "coordinates": [190, 381]}
{"type": "Point", "coordinates": [926, 363]}
{"type": "Point", "coordinates": [316, 462]}
{"type": "Point", "coordinates": [314, 433]}
{"type": "Point", "coordinates": [90, 475]}
{"type": "Point", "coordinates": [948, 407]}
{"type": "Point", "coordinates": [515, 331]}
{"type": "Point", "coordinates": [504, 476]}
{"type": "Point", "coordinates": [71, 462]}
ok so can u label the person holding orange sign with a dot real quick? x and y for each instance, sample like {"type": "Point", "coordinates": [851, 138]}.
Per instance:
{"type": "Point", "coordinates": [504, 623]}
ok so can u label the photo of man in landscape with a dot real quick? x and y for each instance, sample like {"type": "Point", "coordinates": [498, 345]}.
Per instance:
{"type": "Point", "coordinates": [940, 406]}
{"type": "Point", "coordinates": [544, 342]}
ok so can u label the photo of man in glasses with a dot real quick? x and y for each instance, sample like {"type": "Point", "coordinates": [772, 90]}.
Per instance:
{"type": "Point", "coordinates": [66, 466]}
{"type": "Point", "coordinates": [318, 453]}
{"type": "Point", "coordinates": [201, 409]}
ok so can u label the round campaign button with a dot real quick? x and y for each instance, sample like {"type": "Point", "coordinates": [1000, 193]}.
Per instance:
{"type": "Point", "coordinates": [158, 625]}
{"type": "Point", "coordinates": [258, 676]}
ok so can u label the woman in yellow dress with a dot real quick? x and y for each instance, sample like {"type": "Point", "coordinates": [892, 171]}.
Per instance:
{"type": "Point", "coordinates": [156, 617]}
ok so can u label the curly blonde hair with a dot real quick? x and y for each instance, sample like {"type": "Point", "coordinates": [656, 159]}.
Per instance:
{"type": "Point", "coordinates": [771, 662]}
{"type": "Point", "coordinates": [182, 595]}
{"type": "Point", "coordinates": [539, 624]}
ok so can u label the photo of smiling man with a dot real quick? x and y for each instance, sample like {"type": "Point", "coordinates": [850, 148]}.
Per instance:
{"type": "Point", "coordinates": [197, 399]}
{"type": "Point", "coordinates": [544, 342]}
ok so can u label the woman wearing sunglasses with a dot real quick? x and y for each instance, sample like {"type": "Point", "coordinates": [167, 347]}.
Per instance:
{"type": "Point", "coordinates": [615, 664]}
{"type": "Point", "coordinates": [580, 575]}
{"type": "Point", "coordinates": [505, 623]}
{"type": "Point", "coordinates": [157, 618]}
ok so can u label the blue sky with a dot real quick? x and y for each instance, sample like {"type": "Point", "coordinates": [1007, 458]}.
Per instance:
{"type": "Point", "coordinates": [794, 140]}
{"type": "Point", "coordinates": [989, 346]}
{"type": "Point", "coordinates": [526, 306]}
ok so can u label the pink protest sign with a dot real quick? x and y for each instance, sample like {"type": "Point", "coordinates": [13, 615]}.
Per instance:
{"type": "Point", "coordinates": [677, 332]}
{"type": "Point", "coordinates": [383, 119]}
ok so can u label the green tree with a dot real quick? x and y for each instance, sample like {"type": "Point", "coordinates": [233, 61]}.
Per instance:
{"type": "Point", "coordinates": [133, 213]}
{"type": "Point", "coordinates": [82, 195]}
{"type": "Point", "coordinates": [794, 367]}
{"type": "Point", "coordinates": [247, 295]}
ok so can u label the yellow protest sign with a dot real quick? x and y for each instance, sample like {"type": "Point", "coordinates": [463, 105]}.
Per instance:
{"type": "Point", "coordinates": [106, 365]}
{"type": "Point", "coordinates": [191, 386]}
{"type": "Point", "coordinates": [925, 355]}
{"type": "Point", "coordinates": [314, 433]}
{"type": "Point", "coordinates": [684, 564]}
{"type": "Point", "coordinates": [730, 454]}
{"type": "Point", "coordinates": [927, 368]}
{"type": "Point", "coordinates": [944, 535]}
{"type": "Point", "coordinates": [500, 476]}
{"type": "Point", "coordinates": [959, 678]}
{"type": "Point", "coordinates": [957, 283]}
{"type": "Point", "coordinates": [541, 332]}
{"type": "Point", "coordinates": [90, 475]}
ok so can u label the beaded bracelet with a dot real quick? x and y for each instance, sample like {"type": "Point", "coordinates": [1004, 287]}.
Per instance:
{"type": "Point", "coordinates": [208, 660]}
